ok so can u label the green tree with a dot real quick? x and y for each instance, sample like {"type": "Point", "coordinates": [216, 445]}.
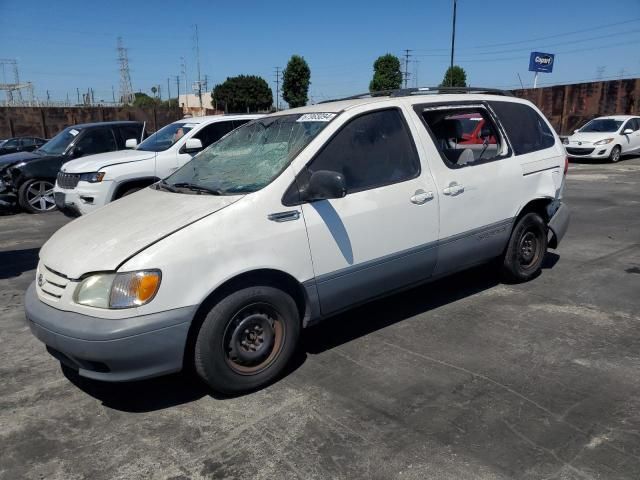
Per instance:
{"type": "Point", "coordinates": [386, 73]}
{"type": "Point", "coordinates": [143, 100]}
{"type": "Point", "coordinates": [454, 77]}
{"type": "Point", "coordinates": [244, 93]}
{"type": "Point", "coordinates": [295, 82]}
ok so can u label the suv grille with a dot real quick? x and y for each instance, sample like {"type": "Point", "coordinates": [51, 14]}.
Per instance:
{"type": "Point", "coordinates": [68, 180]}
{"type": "Point", "coordinates": [579, 151]}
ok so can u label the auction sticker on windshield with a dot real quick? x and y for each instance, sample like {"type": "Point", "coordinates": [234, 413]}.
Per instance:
{"type": "Point", "coordinates": [317, 117]}
{"type": "Point", "coordinates": [74, 132]}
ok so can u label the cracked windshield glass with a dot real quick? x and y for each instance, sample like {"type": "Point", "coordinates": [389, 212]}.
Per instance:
{"type": "Point", "coordinates": [250, 157]}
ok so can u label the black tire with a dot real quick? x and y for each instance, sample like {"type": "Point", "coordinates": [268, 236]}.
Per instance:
{"type": "Point", "coordinates": [247, 339]}
{"type": "Point", "coordinates": [36, 196]}
{"type": "Point", "coordinates": [614, 156]}
{"type": "Point", "coordinates": [526, 249]}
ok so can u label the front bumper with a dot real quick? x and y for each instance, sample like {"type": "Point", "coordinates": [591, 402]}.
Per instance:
{"type": "Point", "coordinates": [111, 350]}
{"type": "Point", "coordinates": [589, 151]}
{"type": "Point", "coordinates": [84, 198]}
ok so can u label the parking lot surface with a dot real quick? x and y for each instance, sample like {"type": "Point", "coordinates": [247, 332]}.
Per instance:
{"type": "Point", "coordinates": [465, 378]}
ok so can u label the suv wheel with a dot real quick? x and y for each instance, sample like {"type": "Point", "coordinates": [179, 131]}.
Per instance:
{"type": "Point", "coordinates": [525, 251]}
{"type": "Point", "coordinates": [247, 339]}
{"type": "Point", "coordinates": [36, 196]}
{"type": "Point", "coordinates": [614, 156]}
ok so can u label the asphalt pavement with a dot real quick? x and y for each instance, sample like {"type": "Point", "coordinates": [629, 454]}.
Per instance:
{"type": "Point", "coordinates": [464, 378]}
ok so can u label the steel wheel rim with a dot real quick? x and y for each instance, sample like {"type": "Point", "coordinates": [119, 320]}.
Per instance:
{"type": "Point", "coordinates": [529, 249]}
{"type": "Point", "coordinates": [253, 357]}
{"type": "Point", "coordinates": [39, 196]}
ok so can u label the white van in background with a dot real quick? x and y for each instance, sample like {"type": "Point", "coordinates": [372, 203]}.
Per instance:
{"type": "Point", "coordinates": [85, 184]}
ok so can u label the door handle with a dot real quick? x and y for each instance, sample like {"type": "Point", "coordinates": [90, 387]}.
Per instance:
{"type": "Point", "coordinates": [421, 197]}
{"type": "Point", "coordinates": [287, 216]}
{"type": "Point", "coordinates": [453, 189]}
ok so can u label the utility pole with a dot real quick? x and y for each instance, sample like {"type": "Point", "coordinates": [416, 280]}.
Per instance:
{"type": "Point", "coordinates": [277, 88]}
{"type": "Point", "coordinates": [78, 92]}
{"type": "Point", "coordinates": [407, 55]}
{"type": "Point", "coordinates": [178, 87]}
{"type": "Point", "coordinates": [198, 65]}
{"type": "Point", "coordinates": [168, 90]}
{"type": "Point", "coordinates": [415, 73]}
{"type": "Point", "coordinates": [453, 42]}
{"type": "Point", "coordinates": [186, 88]}
{"type": "Point", "coordinates": [113, 94]}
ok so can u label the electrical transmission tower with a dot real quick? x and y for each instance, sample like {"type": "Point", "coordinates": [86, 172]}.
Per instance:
{"type": "Point", "coordinates": [126, 90]}
{"type": "Point", "coordinates": [13, 90]}
{"type": "Point", "coordinates": [407, 56]}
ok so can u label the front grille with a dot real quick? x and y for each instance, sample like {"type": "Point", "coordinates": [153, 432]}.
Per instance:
{"type": "Point", "coordinates": [68, 180]}
{"type": "Point", "coordinates": [51, 283]}
{"type": "Point", "coordinates": [579, 151]}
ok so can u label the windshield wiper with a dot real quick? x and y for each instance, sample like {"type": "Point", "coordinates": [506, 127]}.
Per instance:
{"type": "Point", "coordinates": [197, 188]}
{"type": "Point", "coordinates": [165, 186]}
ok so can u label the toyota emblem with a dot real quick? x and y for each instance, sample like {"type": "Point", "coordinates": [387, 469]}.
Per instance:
{"type": "Point", "coordinates": [41, 280]}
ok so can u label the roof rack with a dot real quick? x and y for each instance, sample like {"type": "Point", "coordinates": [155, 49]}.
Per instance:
{"type": "Point", "coordinates": [407, 92]}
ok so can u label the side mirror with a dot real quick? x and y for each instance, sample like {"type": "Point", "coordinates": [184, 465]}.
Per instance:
{"type": "Point", "coordinates": [627, 131]}
{"type": "Point", "coordinates": [76, 152]}
{"type": "Point", "coordinates": [323, 185]}
{"type": "Point", "coordinates": [131, 143]}
{"type": "Point", "coordinates": [192, 145]}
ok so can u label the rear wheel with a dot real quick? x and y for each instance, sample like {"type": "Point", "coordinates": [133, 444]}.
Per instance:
{"type": "Point", "coordinates": [525, 251]}
{"type": "Point", "coordinates": [247, 339]}
{"type": "Point", "coordinates": [36, 196]}
{"type": "Point", "coordinates": [615, 154]}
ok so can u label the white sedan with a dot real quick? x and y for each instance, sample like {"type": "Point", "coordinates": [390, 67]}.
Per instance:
{"type": "Point", "coordinates": [605, 138]}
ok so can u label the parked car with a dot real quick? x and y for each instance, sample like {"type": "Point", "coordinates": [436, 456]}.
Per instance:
{"type": "Point", "coordinates": [290, 219]}
{"type": "Point", "coordinates": [31, 176]}
{"type": "Point", "coordinates": [21, 144]}
{"type": "Point", "coordinates": [91, 182]}
{"type": "Point", "coordinates": [605, 138]}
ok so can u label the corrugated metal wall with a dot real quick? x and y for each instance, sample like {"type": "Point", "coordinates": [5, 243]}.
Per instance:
{"type": "Point", "coordinates": [570, 106]}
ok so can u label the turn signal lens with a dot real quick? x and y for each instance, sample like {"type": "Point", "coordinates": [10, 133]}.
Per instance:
{"type": "Point", "coordinates": [134, 288]}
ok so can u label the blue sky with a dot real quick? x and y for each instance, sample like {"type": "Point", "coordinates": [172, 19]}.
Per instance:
{"type": "Point", "coordinates": [61, 46]}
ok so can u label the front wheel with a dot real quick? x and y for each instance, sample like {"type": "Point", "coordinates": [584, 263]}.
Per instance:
{"type": "Point", "coordinates": [36, 196]}
{"type": "Point", "coordinates": [525, 251]}
{"type": "Point", "coordinates": [247, 339]}
{"type": "Point", "coordinates": [614, 156]}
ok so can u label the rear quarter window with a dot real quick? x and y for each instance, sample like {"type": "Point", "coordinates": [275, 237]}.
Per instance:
{"type": "Point", "coordinates": [526, 129]}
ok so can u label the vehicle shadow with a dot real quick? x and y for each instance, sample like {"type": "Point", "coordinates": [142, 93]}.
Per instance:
{"type": "Point", "coordinates": [15, 262]}
{"type": "Point", "coordinates": [177, 389]}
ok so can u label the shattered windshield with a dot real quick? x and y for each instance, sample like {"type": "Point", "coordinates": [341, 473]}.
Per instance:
{"type": "Point", "coordinates": [250, 157]}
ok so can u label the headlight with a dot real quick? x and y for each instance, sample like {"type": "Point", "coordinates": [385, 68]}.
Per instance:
{"type": "Point", "coordinates": [565, 140]}
{"type": "Point", "coordinates": [604, 142]}
{"type": "Point", "coordinates": [93, 177]}
{"type": "Point", "coordinates": [118, 290]}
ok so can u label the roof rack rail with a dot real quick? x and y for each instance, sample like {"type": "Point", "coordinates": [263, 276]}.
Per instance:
{"type": "Point", "coordinates": [407, 92]}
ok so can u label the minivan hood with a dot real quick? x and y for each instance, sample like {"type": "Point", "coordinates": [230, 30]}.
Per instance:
{"type": "Point", "coordinates": [104, 239]}
{"type": "Point", "coordinates": [590, 137]}
{"type": "Point", "coordinates": [94, 163]}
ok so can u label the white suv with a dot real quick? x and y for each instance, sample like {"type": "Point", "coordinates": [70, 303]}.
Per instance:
{"type": "Point", "coordinates": [290, 219]}
{"type": "Point", "coordinates": [88, 183]}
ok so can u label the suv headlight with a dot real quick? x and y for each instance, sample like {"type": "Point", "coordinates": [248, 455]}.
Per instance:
{"type": "Point", "coordinates": [118, 290]}
{"type": "Point", "coordinates": [604, 142]}
{"type": "Point", "coordinates": [93, 177]}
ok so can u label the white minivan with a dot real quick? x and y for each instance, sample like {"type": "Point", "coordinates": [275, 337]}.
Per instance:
{"type": "Point", "coordinates": [88, 183]}
{"type": "Point", "coordinates": [290, 219]}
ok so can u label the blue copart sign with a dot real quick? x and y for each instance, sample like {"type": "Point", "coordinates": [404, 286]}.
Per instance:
{"type": "Point", "coordinates": [541, 62]}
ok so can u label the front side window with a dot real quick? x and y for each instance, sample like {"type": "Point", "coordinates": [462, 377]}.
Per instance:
{"type": "Point", "coordinates": [250, 157]}
{"type": "Point", "coordinates": [465, 135]}
{"type": "Point", "coordinates": [98, 140]}
{"type": "Point", "coordinates": [59, 144]}
{"type": "Point", "coordinates": [214, 132]}
{"type": "Point", "coordinates": [166, 137]}
{"type": "Point", "coordinates": [526, 129]}
{"type": "Point", "coordinates": [607, 125]}
{"type": "Point", "coordinates": [27, 142]}
{"type": "Point", "coordinates": [372, 150]}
